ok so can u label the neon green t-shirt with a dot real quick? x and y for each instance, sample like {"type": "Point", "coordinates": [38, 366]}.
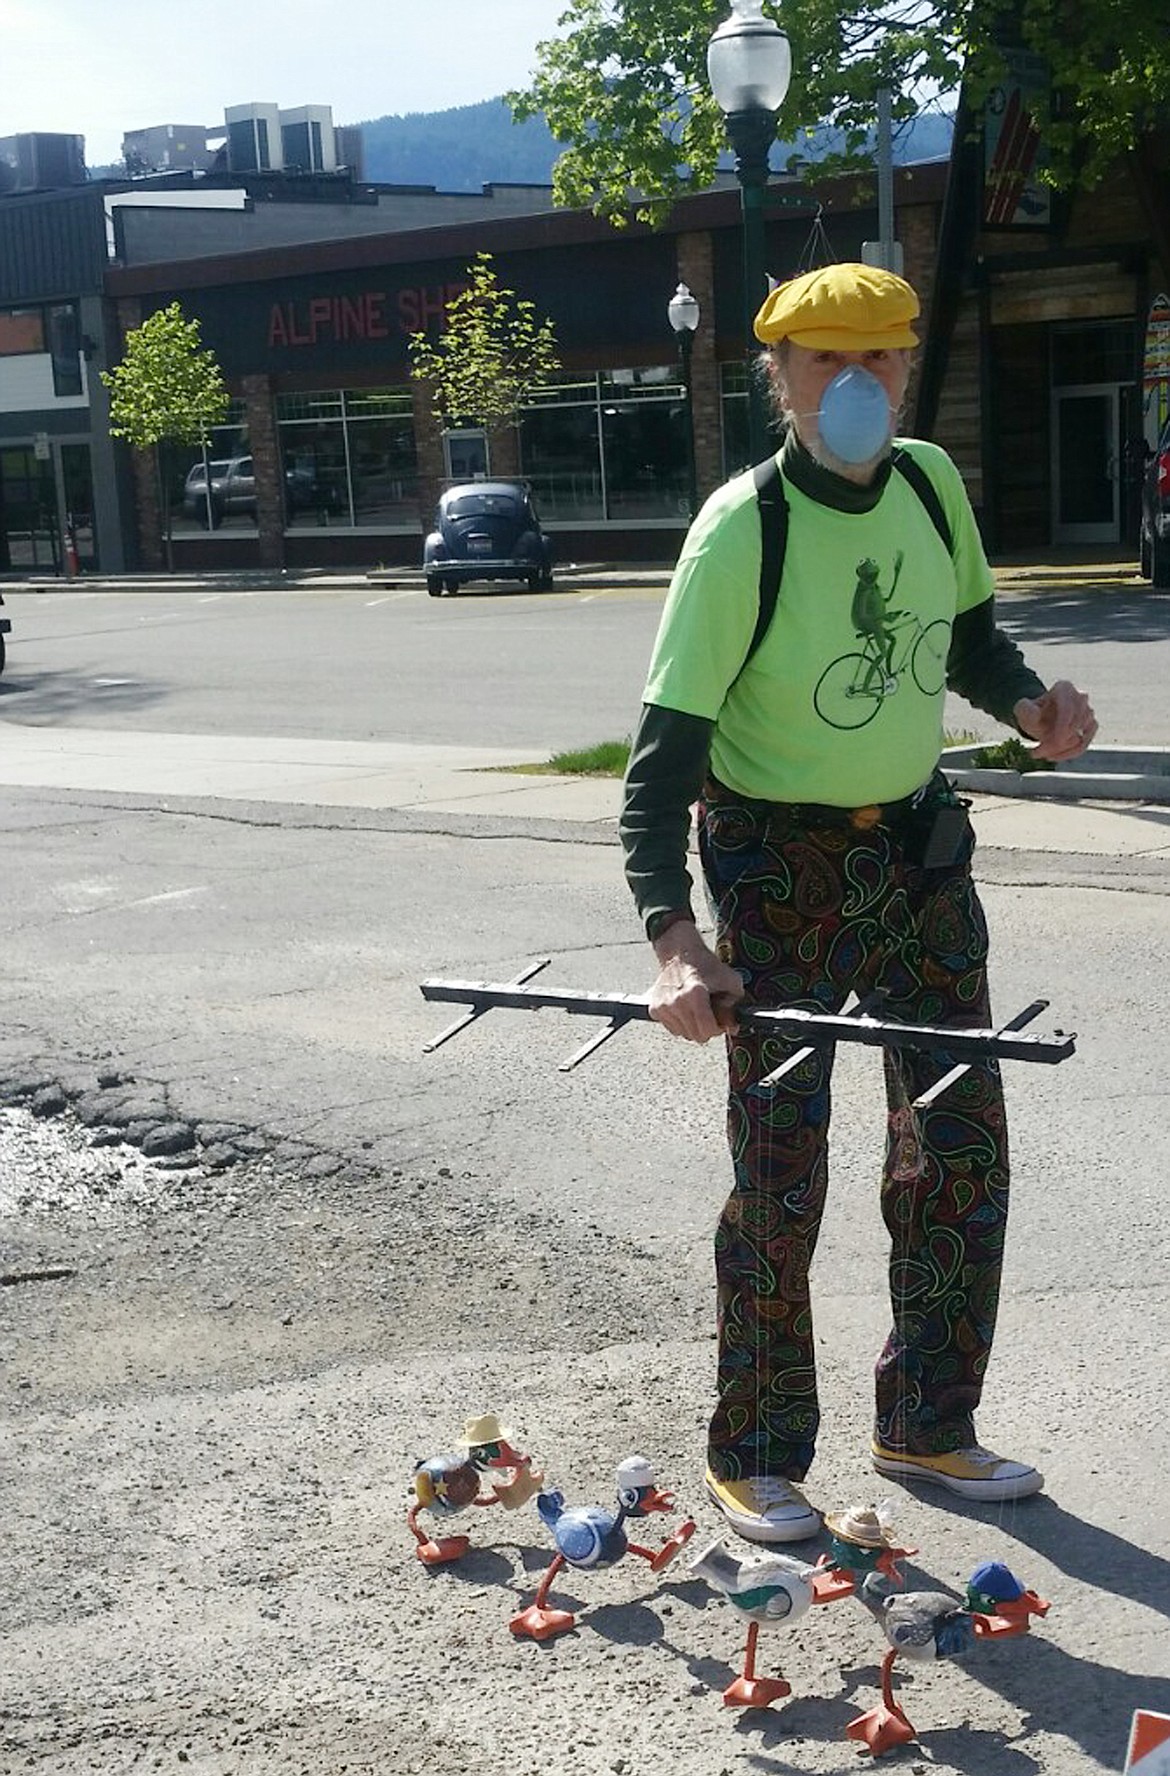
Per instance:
{"type": "Point", "coordinates": [842, 702]}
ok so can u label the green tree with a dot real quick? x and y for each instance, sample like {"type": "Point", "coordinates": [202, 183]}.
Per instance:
{"type": "Point", "coordinates": [492, 353]}
{"type": "Point", "coordinates": [625, 86]}
{"type": "Point", "coordinates": [167, 390]}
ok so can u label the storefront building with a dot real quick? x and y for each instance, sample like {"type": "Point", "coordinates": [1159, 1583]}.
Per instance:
{"type": "Point", "coordinates": [344, 457]}
{"type": "Point", "coordinates": [63, 484]}
{"type": "Point", "coordinates": [1033, 371]}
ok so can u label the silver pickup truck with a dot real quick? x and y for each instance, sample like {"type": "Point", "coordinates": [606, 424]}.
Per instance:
{"type": "Point", "coordinates": [233, 489]}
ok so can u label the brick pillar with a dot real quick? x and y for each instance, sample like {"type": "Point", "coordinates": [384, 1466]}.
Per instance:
{"type": "Point", "coordinates": [428, 446]}
{"type": "Point", "coordinates": [696, 272]}
{"type": "Point", "coordinates": [916, 231]}
{"type": "Point", "coordinates": [504, 453]}
{"type": "Point", "coordinates": [260, 418]}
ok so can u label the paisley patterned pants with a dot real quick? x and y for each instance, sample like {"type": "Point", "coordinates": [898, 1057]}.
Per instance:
{"type": "Point", "coordinates": [807, 914]}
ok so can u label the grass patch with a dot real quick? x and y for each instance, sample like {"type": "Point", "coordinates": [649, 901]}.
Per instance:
{"type": "Point", "coordinates": [1009, 755]}
{"type": "Point", "coordinates": [608, 758]}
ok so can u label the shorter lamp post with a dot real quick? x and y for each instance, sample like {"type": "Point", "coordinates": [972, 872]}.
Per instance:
{"type": "Point", "coordinates": [749, 65]}
{"type": "Point", "coordinates": [683, 313]}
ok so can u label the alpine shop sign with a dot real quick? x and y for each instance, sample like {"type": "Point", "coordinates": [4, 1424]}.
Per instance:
{"type": "Point", "coordinates": [1149, 1745]}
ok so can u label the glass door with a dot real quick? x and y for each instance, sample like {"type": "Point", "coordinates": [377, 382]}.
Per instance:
{"type": "Point", "coordinates": [78, 479]}
{"type": "Point", "coordinates": [28, 511]}
{"type": "Point", "coordinates": [1086, 470]}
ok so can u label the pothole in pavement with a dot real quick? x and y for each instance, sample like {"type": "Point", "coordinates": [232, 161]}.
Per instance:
{"type": "Point", "coordinates": [120, 1143]}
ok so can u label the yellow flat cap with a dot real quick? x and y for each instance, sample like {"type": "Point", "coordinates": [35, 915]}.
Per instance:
{"type": "Point", "coordinates": [841, 308]}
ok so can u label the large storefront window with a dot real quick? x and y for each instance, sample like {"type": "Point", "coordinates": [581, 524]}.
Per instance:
{"type": "Point", "coordinates": [349, 459]}
{"type": "Point", "coordinates": [733, 405]}
{"type": "Point", "coordinates": [560, 452]}
{"type": "Point", "coordinates": [232, 504]}
{"type": "Point", "coordinates": [611, 447]}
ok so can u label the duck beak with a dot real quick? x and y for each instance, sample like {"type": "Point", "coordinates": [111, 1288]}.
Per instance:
{"type": "Point", "coordinates": [507, 1457]}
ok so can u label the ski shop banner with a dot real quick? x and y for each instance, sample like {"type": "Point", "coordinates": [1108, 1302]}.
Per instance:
{"type": "Point", "coordinates": [1013, 154]}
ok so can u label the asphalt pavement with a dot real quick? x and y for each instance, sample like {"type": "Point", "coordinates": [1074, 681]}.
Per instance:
{"type": "Point", "coordinates": [215, 1408]}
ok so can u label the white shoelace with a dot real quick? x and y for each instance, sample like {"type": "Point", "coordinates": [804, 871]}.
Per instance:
{"type": "Point", "coordinates": [980, 1457]}
{"type": "Point", "coordinates": [770, 1489]}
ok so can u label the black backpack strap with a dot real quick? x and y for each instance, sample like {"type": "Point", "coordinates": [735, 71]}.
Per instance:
{"type": "Point", "coordinates": [924, 487]}
{"type": "Point", "coordinates": [773, 543]}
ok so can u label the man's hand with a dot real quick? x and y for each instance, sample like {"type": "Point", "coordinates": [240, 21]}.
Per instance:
{"type": "Point", "coordinates": [695, 992]}
{"type": "Point", "coordinates": [1061, 721]}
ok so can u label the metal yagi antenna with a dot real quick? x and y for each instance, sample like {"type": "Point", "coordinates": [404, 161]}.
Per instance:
{"type": "Point", "coordinates": [808, 1028]}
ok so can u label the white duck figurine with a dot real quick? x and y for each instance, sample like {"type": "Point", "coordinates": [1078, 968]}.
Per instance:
{"type": "Point", "coordinates": [920, 1625]}
{"type": "Point", "coordinates": [763, 1588]}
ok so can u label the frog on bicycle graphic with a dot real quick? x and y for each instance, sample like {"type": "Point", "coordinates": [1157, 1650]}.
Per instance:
{"type": "Point", "coordinates": [853, 687]}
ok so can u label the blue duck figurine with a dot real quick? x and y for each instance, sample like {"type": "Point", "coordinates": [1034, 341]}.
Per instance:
{"type": "Point", "coordinates": [593, 1536]}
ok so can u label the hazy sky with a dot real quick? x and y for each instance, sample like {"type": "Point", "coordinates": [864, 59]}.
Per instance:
{"type": "Point", "coordinates": [99, 67]}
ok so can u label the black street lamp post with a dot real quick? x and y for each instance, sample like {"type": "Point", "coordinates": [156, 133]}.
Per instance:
{"type": "Point", "coordinates": [749, 65]}
{"type": "Point", "coordinates": [683, 313]}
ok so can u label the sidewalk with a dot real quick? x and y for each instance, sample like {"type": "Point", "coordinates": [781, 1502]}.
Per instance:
{"type": "Point", "coordinates": [1062, 571]}
{"type": "Point", "coordinates": [479, 781]}
{"type": "Point", "coordinates": [568, 575]}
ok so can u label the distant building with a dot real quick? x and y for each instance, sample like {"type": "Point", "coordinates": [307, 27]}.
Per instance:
{"type": "Point", "coordinates": [253, 138]}
{"type": "Point", "coordinates": [264, 138]}
{"type": "Point", "coordinates": [308, 140]}
{"type": "Point", "coordinates": [166, 148]}
{"type": "Point", "coordinates": [351, 152]}
{"type": "Point", "coordinates": [41, 161]}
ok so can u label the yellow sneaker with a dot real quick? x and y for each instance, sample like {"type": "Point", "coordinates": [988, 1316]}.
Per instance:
{"type": "Point", "coordinates": [764, 1508]}
{"type": "Point", "coordinates": [974, 1473]}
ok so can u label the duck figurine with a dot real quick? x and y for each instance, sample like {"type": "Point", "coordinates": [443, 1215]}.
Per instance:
{"type": "Point", "coordinates": [861, 1541]}
{"type": "Point", "coordinates": [450, 1483]}
{"type": "Point", "coordinates": [590, 1536]}
{"type": "Point", "coordinates": [919, 1625]}
{"type": "Point", "coordinates": [999, 1603]}
{"type": "Point", "coordinates": [766, 1590]}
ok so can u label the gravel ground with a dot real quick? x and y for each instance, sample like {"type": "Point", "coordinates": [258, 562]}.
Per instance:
{"type": "Point", "coordinates": [218, 1386]}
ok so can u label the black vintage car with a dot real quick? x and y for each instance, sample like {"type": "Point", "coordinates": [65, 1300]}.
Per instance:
{"type": "Point", "coordinates": [486, 530]}
{"type": "Point", "coordinates": [1155, 540]}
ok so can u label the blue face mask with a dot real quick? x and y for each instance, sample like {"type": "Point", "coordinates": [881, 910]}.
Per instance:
{"type": "Point", "coordinates": [854, 417]}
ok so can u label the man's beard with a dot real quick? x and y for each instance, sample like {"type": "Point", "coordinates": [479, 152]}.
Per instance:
{"type": "Point", "coordinates": [848, 471]}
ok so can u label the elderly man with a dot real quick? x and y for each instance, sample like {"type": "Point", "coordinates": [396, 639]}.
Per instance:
{"type": "Point", "coordinates": [806, 721]}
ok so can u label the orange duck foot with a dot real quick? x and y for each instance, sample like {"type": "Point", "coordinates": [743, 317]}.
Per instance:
{"type": "Point", "coordinates": [830, 1586]}
{"type": "Point", "coordinates": [443, 1549]}
{"type": "Point", "coordinates": [755, 1692]}
{"type": "Point", "coordinates": [881, 1729]}
{"type": "Point", "coordinates": [536, 1623]}
{"type": "Point", "coordinates": [670, 1549]}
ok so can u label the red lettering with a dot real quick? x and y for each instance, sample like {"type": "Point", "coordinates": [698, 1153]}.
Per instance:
{"type": "Point", "coordinates": [408, 311]}
{"type": "Point", "coordinates": [295, 338]}
{"type": "Point", "coordinates": [320, 312]}
{"type": "Point", "coordinates": [376, 327]}
{"type": "Point", "coordinates": [277, 331]}
{"type": "Point", "coordinates": [432, 304]}
{"type": "Point", "coordinates": [352, 320]}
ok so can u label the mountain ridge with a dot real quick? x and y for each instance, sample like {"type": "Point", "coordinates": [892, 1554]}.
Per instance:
{"type": "Point", "coordinates": [470, 146]}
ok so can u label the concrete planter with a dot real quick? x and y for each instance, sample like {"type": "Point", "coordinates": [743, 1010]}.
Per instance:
{"type": "Point", "coordinates": [1106, 773]}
